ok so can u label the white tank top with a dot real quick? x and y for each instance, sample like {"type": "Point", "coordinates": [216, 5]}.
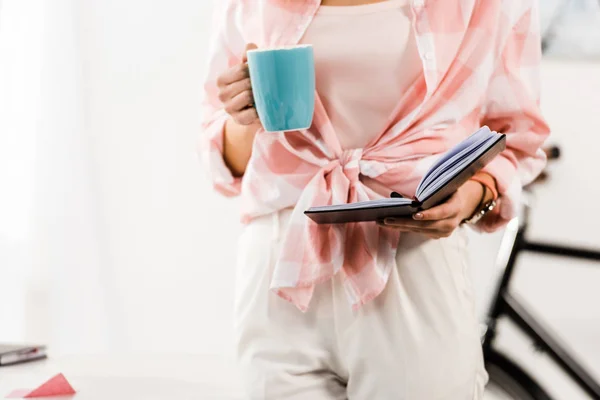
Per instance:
{"type": "Point", "coordinates": [375, 42]}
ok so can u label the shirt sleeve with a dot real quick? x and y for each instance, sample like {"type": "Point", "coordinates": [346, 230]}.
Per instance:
{"type": "Point", "coordinates": [226, 49]}
{"type": "Point", "coordinates": [512, 108]}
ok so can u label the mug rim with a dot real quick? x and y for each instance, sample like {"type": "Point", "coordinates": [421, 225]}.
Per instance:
{"type": "Point", "coordinates": [288, 47]}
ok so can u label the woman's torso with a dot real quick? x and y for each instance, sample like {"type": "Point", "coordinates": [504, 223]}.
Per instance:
{"type": "Point", "coordinates": [366, 58]}
{"type": "Point", "coordinates": [458, 44]}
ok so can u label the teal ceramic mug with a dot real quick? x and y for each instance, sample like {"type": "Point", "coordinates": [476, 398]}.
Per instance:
{"type": "Point", "coordinates": [283, 85]}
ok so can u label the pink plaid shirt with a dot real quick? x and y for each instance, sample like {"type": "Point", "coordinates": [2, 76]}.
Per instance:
{"type": "Point", "coordinates": [480, 61]}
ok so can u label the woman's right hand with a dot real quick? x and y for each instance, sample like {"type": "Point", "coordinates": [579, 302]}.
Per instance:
{"type": "Point", "coordinates": [235, 92]}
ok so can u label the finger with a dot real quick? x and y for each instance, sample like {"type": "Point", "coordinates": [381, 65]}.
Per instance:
{"type": "Point", "coordinates": [442, 227]}
{"type": "Point", "coordinates": [249, 46]}
{"type": "Point", "coordinates": [449, 209]}
{"type": "Point", "coordinates": [407, 223]}
{"type": "Point", "coordinates": [246, 117]}
{"type": "Point", "coordinates": [433, 234]}
{"type": "Point", "coordinates": [383, 224]}
{"type": "Point", "coordinates": [396, 228]}
{"type": "Point", "coordinates": [239, 102]}
{"type": "Point", "coordinates": [234, 74]}
{"type": "Point", "coordinates": [230, 91]}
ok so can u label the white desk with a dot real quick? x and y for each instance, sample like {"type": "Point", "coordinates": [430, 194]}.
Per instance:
{"type": "Point", "coordinates": [132, 377]}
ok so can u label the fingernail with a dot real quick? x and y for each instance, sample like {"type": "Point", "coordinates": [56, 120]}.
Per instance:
{"type": "Point", "coordinates": [418, 216]}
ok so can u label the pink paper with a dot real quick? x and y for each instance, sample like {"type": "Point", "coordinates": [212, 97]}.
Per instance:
{"type": "Point", "coordinates": [56, 386]}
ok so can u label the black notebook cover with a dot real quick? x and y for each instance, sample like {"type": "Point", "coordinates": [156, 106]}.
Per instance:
{"type": "Point", "coordinates": [394, 210]}
{"type": "Point", "coordinates": [15, 354]}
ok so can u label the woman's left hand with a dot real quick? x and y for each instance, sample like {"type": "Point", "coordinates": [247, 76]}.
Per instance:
{"type": "Point", "coordinates": [440, 221]}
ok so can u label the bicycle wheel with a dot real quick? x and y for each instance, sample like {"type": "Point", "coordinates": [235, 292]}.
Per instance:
{"type": "Point", "coordinates": [510, 382]}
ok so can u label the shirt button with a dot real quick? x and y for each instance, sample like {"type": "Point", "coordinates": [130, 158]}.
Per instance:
{"type": "Point", "coordinates": [418, 3]}
{"type": "Point", "coordinates": [428, 56]}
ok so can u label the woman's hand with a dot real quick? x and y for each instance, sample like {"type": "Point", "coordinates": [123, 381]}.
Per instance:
{"type": "Point", "coordinates": [441, 221]}
{"type": "Point", "coordinates": [235, 92]}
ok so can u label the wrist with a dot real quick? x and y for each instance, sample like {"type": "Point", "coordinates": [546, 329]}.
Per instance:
{"type": "Point", "coordinates": [237, 145]}
{"type": "Point", "coordinates": [475, 196]}
{"type": "Point", "coordinates": [240, 134]}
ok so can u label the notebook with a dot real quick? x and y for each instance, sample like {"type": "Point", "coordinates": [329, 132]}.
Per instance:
{"type": "Point", "coordinates": [15, 354]}
{"type": "Point", "coordinates": [442, 179]}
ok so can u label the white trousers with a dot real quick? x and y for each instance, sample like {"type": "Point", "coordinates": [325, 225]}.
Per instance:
{"type": "Point", "coordinates": [418, 340]}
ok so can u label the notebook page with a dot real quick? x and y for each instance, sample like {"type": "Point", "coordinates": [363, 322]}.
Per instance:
{"type": "Point", "coordinates": [454, 154]}
{"type": "Point", "coordinates": [455, 169]}
{"type": "Point", "coordinates": [452, 163]}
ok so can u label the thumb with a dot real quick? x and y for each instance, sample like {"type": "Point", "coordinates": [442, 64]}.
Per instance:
{"type": "Point", "coordinates": [249, 46]}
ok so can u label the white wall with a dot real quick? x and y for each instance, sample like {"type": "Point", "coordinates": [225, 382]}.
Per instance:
{"type": "Point", "coordinates": [170, 238]}
{"type": "Point", "coordinates": [20, 60]}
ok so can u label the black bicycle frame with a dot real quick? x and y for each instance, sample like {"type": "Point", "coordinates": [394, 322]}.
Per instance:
{"type": "Point", "coordinates": [507, 305]}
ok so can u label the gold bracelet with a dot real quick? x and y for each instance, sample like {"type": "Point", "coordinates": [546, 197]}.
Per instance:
{"type": "Point", "coordinates": [476, 217]}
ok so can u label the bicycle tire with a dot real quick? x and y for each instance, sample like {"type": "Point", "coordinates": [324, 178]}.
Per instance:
{"type": "Point", "coordinates": [512, 380]}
